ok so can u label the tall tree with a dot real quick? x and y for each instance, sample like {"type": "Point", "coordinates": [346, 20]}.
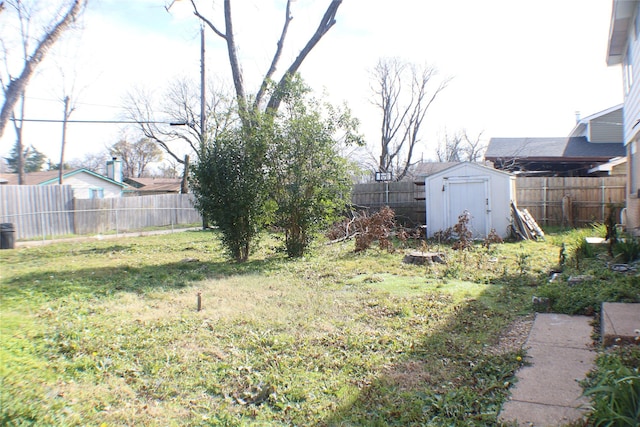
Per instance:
{"type": "Point", "coordinates": [14, 85]}
{"type": "Point", "coordinates": [95, 162]}
{"type": "Point", "coordinates": [135, 156]}
{"type": "Point", "coordinates": [31, 159]}
{"type": "Point", "coordinates": [460, 147]}
{"type": "Point", "coordinates": [227, 34]}
{"type": "Point", "coordinates": [403, 94]}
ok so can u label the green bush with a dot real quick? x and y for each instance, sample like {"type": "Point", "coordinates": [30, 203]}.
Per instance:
{"type": "Point", "coordinates": [615, 394]}
{"type": "Point", "coordinates": [627, 249]}
{"type": "Point", "coordinates": [588, 296]}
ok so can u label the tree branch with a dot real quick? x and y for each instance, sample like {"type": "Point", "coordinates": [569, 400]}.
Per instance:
{"type": "Point", "coordinates": [327, 21]}
{"type": "Point", "coordinates": [276, 56]}
{"type": "Point", "coordinates": [18, 85]}
{"type": "Point", "coordinates": [206, 21]}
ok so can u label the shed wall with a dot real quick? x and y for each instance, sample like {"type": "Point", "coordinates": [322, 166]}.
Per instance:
{"type": "Point", "coordinates": [500, 192]}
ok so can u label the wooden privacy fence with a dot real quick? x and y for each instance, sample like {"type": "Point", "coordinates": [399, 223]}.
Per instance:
{"type": "Point", "coordinates": [134, 213]}
{"type": "Point", "coordinates": [567, 201]}
{"type": "Point", "coordinates": [49, 211]}
{"type": "Point", "coordinates": [405, 198]}
{"type": "Point", "coordinates": [571, 201]}
{"type": "Point", "coordinates": [37, 210]}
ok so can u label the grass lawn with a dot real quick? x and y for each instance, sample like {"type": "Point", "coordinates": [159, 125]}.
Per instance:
{"type": "Point", "coordinates": [108, 333]}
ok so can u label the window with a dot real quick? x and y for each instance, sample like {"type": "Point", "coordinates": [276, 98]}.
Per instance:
{"type": "Point", "coordinates": [96, 193]}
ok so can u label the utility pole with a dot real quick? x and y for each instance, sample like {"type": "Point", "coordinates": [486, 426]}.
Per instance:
{"type": "Point", "coordinates": [67, 113]}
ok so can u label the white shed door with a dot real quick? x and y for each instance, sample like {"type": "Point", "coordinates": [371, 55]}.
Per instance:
{"type": "Point", "coordinates": [472, 196]}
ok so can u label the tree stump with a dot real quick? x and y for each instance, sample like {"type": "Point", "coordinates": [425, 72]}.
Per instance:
{"type": "Point", "coordinates": [421, 258]}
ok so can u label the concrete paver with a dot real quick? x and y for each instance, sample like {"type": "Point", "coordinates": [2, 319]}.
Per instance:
{"type": "Point", "coordinates": [620, 323]}
{"type": "Point", "coordinates": [548, 392]}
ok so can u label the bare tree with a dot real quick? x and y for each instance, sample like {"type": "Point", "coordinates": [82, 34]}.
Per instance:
{"type": "Point", "coordinates": [403, 94]}
{"type": "Point", "coordinates": [135, 156]}
{"type": "Point", "coordinates": [95, 162]}
{"type": "Point", "coordinates": [15, 85]}
{"type": "Point", "coordinates": [450, 150]}
{"type": "Point", "coordinates": [181, 108]}
{"type": "Point", "coordinates": [326, 22]}
{"type": "Point", "coordinates": [460, 147]}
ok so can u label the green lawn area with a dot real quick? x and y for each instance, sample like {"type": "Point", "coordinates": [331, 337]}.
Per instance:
{"type": "Point", "coordinates": [107, 333]}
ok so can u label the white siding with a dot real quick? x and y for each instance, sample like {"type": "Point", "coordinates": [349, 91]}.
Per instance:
{"type": "Point", "coordinates": [500, 192]}
{"type": "Point", "coordinates": [82, 184]}
{"type": "Point", "coordinates": [606, 128]}
{"type": "Point", "coordinates": [632, 98]}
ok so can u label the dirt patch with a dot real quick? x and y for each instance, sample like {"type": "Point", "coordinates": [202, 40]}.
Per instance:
{"type": "Point", "coordinates": [513, 337]}
{"type": "Point", "coordinates": [407, 375]}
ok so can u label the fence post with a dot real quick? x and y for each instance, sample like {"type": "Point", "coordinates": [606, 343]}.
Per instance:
{"type": "Point", "coordinates": [44, 234]}
{"type": "Point", "coordinates": [602, 200]}
{"type": "Point", "coordinates": [116, 214]}
{"type": "Point", "coordinates": [544, 200]}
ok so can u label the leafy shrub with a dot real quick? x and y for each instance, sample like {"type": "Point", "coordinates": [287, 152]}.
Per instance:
{"type": "Point", "coordinates": [587, 297]}
{"type": "Point", "coordinates": [615, 394]}
{"type": "Point", "coordinates": [627, 249]}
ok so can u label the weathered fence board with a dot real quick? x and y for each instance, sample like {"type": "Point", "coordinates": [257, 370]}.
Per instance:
{"type": "Point", "coordinates": [405, 198]}
{"type": "Point", "coordinates": [48, 211]}
{"type": "Point", "coordinates": [570, 201]}
{"type": "Point", "coordinates": [585, 199]}
{"type": "Point", "coordinates": [134, 213]}
{"type": "Point", "coordinates": [37, 211]}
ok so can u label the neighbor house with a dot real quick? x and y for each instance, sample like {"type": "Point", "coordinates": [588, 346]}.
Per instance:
{"type": "Point", "coordinates": [594, 140]}
{"type": "Point", "coordinates": [623, 48]}
{"type": "Point", "coordinates": [86, 184]}
{"type": "Point", "coordinates": [149, 186]}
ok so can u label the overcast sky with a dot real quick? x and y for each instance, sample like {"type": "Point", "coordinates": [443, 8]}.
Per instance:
{"type": "Point", "coordinates": [518, 67]}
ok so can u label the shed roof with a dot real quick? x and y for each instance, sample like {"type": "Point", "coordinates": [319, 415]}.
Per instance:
{"type": "Point", "coordinates": [480, 168]}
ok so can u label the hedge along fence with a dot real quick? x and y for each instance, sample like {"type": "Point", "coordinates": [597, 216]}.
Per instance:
{"type": "Point", "coordinates": [552, 201]}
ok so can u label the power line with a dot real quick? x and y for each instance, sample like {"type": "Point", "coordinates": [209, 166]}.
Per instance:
{"type": "Point", "coordinates": [99, 121]}
{"type": "Point", "coordinates": [77, 103]}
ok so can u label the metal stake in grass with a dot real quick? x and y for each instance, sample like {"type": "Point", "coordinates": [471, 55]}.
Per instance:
{"type": "Point", "coordinates": [199, 301]}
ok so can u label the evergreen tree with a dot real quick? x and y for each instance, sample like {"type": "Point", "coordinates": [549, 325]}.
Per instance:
{"type": "Point", "coordinates": [33, 159]}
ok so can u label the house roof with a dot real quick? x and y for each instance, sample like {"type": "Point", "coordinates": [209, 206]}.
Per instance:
{"type": "Point", "coordinates": [157, 185]}
{"type": "Point", "coordinates": [550, 149]}
{"type": "Point", "coordinates": [608, 166]}
{"type": "Point", "coordinates": [621, 15]}
{"type": "Point", "coordinates": [51, 177]}
{"type": "Point", "coordinates": [583, 123]}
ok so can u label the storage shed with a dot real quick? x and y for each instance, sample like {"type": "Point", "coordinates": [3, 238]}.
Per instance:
{"type": "Point", "coordinates": [484, 192]}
